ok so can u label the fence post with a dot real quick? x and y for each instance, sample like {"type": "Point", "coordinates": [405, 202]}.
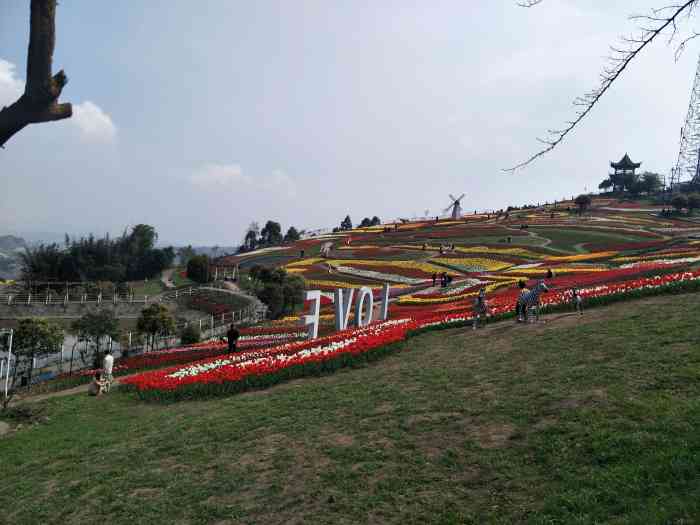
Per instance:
{"type": "Point", "coordinates": [175, 294]}
{"type": "Point", "coordinates": [65, 300]}
{"type": "Point", "coordinates": [99, 298]}
{"type": "Point", "coordinates": [200, 325]}
{"type": "Point", "coordinates": [29, 298]}
{"type": "Point", "coordinates": [129, 345]}
{"type": "Point", "coordinates": [145, 299]}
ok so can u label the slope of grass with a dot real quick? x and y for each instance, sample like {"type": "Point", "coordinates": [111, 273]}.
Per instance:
{"type": "Point", "coordinates": [580, 420]}
{"type": "Point", "coordinates": [568, 240]}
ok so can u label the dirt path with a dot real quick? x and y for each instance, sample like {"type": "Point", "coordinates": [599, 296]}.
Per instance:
{"type": "Point", "coordinates": [167, 278]}
{"type": "Point", "coordinates": [80, 389]}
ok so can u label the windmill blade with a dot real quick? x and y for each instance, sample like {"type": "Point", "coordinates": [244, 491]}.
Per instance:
{"type": "Point", "coordinates": [448, 208]}
{"type": "Point", "coordinates": [463, 194]}
{"type": "Point", "coordinates": [452, 197]}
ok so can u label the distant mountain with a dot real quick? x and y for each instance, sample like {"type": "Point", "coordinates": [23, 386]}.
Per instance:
{"type": "Point", "coordinates": [11, 243]}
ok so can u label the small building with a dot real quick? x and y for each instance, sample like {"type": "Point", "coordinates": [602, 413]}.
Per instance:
{"type": "Point", "coordinates": [623, 167]}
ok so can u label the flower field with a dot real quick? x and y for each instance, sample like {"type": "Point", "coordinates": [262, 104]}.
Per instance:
{"type": "Point", "coordinates": [616, 259]}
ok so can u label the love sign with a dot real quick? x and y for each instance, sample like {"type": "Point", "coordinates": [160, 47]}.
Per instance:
{"type": "Point", "coordinates": [364, 308]}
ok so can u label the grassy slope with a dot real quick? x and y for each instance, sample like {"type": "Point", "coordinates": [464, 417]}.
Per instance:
{"type": "Point", "coordinates": [593, 422]}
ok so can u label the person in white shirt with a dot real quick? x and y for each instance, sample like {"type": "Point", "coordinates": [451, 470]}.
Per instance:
{"type": "Point", "coordinates": [107, 366]}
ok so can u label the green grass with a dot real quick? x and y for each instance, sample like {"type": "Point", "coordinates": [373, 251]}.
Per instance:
{"type": "Point", "coordinates": [567, 240]}
{"type": "Point", "coordinates": [580, 420]}
{"type": "Point", "coordinates": [151, 287]}
{"type": "Point", "coordinates": [180, 281]}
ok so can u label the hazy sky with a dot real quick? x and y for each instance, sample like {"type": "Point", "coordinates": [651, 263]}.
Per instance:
{"type": "Point", "coordinates": [199, 117]}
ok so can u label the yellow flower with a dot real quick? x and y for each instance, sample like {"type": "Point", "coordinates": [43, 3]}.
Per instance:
{"type": "Point", "coordinates": [521, 252]}
{"type": "Point", "coordinates": [477, 263]}
{"type": "Point", "coordinates": [581, 257]}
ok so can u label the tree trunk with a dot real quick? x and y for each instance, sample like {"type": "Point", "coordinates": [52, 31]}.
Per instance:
{"type": "Point", "coordinates": [39, 103]}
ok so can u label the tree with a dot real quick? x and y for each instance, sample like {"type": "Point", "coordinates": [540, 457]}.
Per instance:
{"type": "Point", "coordinates": [33, 337]}
{"type": "Point", "coordinates": [155, 320]}
{"type": "Point", "coordinates": [583, 202]}
{"type": "Point", "coordinates": [292, 235]}
{"type": "Point", "coordinates": [185, 254]}
{"type": "Point", "coordinates": [605, 185]}
{"type": "Point", "coordinates": [376, 221]}
{"type": "Point", "coordinates": [623, 55]}
{"type": "Point", "coordinates": [693, 202]}
{"type": "Point", "coordinates": [293, 292]}
{"type": "Point", "coordinates": [93, 328]}
{"type": "Point", "coordinates": [271, 234]}
{"type": "Point", "coordinates": [366, 222]}
{"type": "Point", "coordinates": [679, 202]}
{"type": "Point", "coordinates": [250, 241]}
{"type": "Point", "coordinates": [650, 182]}
{"type": "Point", "coordinates": [198, 268]}
{"type": "Point", "coordinates": [273, 296]}
{"type": "Point", "coordinates": [346, 224]}
{"type": "Point", "coordinates": [39, 103]}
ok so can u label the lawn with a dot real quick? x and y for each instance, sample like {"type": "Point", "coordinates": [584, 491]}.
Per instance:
{"type": "Point", "coordinates": [151, 287]}
{"type": "Point", "coordinates": [579, 420]}
{"type": "Point", "coordinates": [567, 240]}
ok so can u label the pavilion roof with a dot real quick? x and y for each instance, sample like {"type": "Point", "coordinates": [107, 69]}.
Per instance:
{"type": "Point", "coordinates": [625, 163]}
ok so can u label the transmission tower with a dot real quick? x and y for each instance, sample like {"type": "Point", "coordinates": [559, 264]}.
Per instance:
{"type": "Point", "coordinates": [687, 167]}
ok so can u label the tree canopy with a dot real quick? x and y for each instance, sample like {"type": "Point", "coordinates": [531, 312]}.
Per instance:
{"type": "Point", "coordinates": [130, 257]}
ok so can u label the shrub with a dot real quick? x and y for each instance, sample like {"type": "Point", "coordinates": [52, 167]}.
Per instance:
{"type": "Point", "coordinates": [190, 335]}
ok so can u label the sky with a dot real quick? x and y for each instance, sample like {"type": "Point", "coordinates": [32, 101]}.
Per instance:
{"type": "Point", "coordinates": [200, 117]}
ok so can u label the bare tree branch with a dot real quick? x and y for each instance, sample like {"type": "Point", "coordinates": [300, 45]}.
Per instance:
{"type": "Point", "coordinates": [39, 103]}
{"type": "Point", "coordinates": [618, 62]}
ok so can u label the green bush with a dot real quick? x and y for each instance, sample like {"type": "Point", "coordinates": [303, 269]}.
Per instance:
{"type": "Point", "coordinates": [190, 335]}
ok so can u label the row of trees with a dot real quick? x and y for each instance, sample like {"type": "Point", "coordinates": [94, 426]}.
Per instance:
{"type": "Point", "coordinates": [130, 257]}
{"type": "Point", "coordinates": [632, 183]}
{"type": "Point", "coordinates": [346, 223]}
{"type": "Point", "coordinates": [269, 235]}
{"type": "Point", "coordinates": [36, 338]}
{"type": "Point", "coordinates": [689, 202]}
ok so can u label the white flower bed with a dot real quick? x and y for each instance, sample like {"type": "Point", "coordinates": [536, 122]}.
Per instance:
{"type": "Point", "coordinates": [379, 275]}
{"type": "Point", "coordinates": [278, 355]}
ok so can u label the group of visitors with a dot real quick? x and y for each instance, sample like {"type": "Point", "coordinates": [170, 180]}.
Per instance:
{"type": "Point", "coordinates": [445, 279]}
{"type": "Point", "coordinates": [102, 380]}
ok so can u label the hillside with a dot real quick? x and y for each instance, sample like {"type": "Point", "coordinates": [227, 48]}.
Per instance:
{"type": "Point", "coordinates": [578, 420]}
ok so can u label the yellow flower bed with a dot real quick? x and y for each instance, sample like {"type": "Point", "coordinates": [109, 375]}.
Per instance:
{"type": "Point", "coordinates": [304, 262]}
{"type": "Point", "coordinates": [667, 255]}
{"type": "Point", "coordinates": [341, 284]}
{"type": "Point", "coordinates": [541, 269]}
{"type": "Point", "coordinates": [488, 265]}
{"type": "Point", "coordinates": [582, 257]}
{"type": "Point", "coordinates": [413, 265]}
{"type": "Point", "coordinates": [519, 252]}
{"type": "Point", "coordinates": [417, 300]}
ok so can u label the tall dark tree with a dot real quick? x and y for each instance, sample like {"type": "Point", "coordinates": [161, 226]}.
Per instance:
{"type": "Point", "coordinates": [366, 222]}
{"type": "Point", "coordinates": [94, 328]}
{"type": "Point", "coordinates": [375, 221]}
{"type": "Point", "coordinates": [583, 202]}
{"type": "Point", "coordinates": [39, 102]}
{"type": "Point", "coordinates": [346, 224]}
{"type": "Point", "coordinates": [292, 235]}
{"type": "Point", "coordinates": [198, 268]}
{"type": "Point", "coordinates": [271, 234]}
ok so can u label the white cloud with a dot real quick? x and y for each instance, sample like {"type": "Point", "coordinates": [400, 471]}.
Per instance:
{"type": "Point", "coordinates": [230, 176]}
{"type": "Point", "coordinates": [91, 120]}
{"type": "Point", "coordinates": [94, 124]}
{"type": "Point", "coordinates": [11, 86]}
{"type": "Point", "coordinates": [218, 175]}
{"type": "Point", "coordinates": [281, 183]}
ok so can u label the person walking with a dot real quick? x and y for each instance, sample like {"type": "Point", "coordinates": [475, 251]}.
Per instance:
{"type": "Point", "coordinates": [577, 300]}
{"type": "Point", "coordinates": [232, 335]}
{"type": "Point", "coordinates": [481, 308]}
{"type": "Point", "coordinates": [107, 366]}
{"type": "Point", "coordinates": [434, 278]}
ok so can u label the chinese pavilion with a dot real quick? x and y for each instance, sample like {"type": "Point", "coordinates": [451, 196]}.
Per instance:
{"type": "Point", "coordinates": [624, 167]}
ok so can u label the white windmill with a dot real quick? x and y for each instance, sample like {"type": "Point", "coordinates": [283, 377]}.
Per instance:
{"type": "Point", "coordinates": [456, 206]}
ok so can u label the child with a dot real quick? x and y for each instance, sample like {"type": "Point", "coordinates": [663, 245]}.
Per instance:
{"type": "Point", "coordinates": [481, 307]}
{"type": "Point", "coordinates": [97, 386]}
